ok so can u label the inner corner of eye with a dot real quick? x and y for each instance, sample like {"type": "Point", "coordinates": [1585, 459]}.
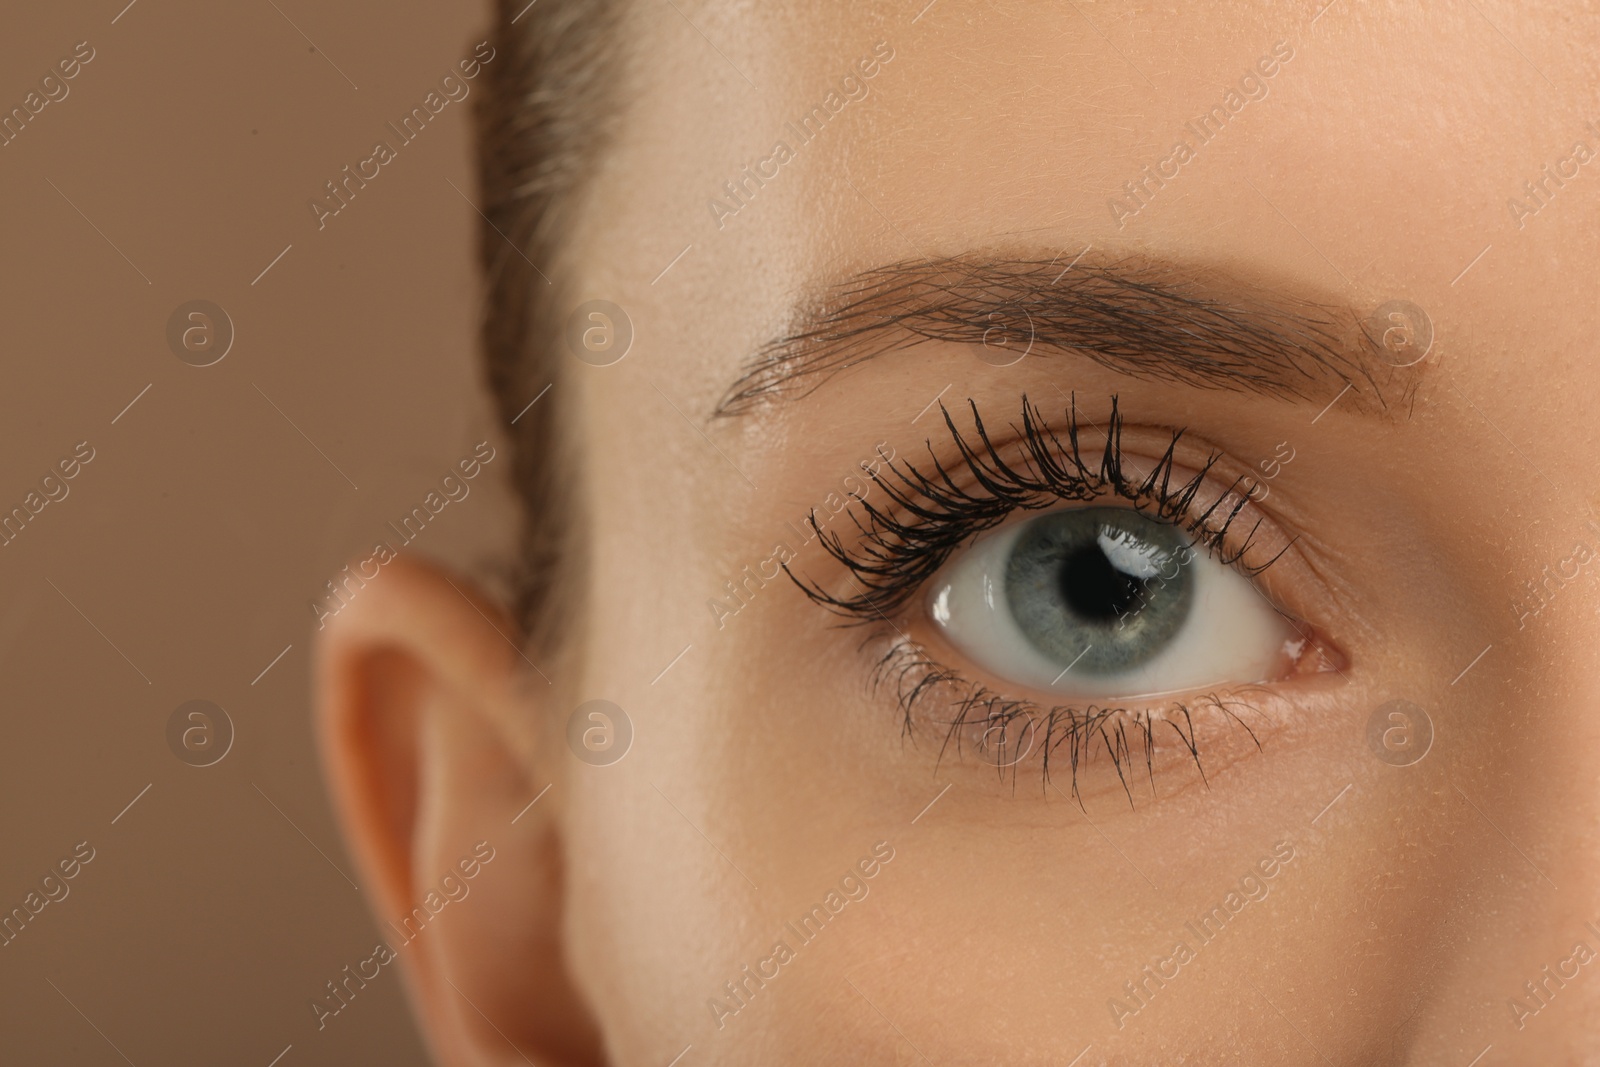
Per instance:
{"type": "Point", "coordinates": [1104, 601]}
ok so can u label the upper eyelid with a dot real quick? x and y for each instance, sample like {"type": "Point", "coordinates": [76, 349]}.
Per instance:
{"type": "Point", "coordinates": [1054, 461]}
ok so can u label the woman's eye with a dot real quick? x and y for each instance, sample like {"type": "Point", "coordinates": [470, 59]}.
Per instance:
{"type": "Point", "coordinates": [1106, 602]}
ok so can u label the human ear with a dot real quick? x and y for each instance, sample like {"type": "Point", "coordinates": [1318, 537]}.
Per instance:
{"type": "Point", "coordinates": [428, 719]}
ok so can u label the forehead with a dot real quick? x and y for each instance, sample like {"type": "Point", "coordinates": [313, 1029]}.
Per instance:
{"type": "Point", "coordinates": [1353, 149]}
{"type": "Point", "coordinates": [1374, 155]}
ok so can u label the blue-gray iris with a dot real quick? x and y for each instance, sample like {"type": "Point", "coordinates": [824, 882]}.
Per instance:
{"type": "Point", "coordinates": [1107, 580]}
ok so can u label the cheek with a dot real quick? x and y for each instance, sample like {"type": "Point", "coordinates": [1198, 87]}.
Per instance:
{"type": "Point", "coordinates": [661, 906]}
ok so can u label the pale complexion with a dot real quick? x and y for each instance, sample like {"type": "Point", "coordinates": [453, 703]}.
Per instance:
{"type": "Point", "coordinates": [1419, 899]}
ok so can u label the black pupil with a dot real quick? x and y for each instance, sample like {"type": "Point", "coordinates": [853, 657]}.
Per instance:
{"type": "Point", "coordinates": [1095, 589]}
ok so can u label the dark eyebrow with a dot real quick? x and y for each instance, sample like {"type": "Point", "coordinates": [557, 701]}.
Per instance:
{"type": "Point", "coordinates": [1145, 318]}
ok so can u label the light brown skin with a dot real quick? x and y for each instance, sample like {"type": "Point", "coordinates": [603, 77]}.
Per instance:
{"type": "Point", "coordinates": [764, 766]}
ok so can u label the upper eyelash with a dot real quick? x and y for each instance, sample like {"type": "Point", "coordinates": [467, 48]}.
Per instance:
{"type": "Point", "coordinates": [929, 517]}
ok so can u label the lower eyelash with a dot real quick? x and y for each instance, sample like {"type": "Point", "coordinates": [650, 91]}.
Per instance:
{"type": "Point", "coordinates": [1123, 734]}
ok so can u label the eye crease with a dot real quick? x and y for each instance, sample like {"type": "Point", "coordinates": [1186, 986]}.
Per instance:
{"type": "Point", "coordinates": [1060, 574]}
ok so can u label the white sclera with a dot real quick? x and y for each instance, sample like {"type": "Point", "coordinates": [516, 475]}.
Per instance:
{"type": "Point", "coordinates": [1232, 633]}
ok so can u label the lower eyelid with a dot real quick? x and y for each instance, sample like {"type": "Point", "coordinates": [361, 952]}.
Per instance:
{"type": "Point", "coordinates": [1098, 749]}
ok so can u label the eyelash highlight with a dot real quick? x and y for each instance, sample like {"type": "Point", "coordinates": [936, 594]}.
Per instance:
{"type": "Point", "coordinates": [930, 516]}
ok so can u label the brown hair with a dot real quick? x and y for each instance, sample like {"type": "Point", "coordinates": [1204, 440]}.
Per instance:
{"type": "Point", "coordinates": [542, 118]}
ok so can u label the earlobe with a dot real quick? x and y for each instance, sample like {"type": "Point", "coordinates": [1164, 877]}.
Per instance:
{"type": "Point", "coordinates": [428, 721]}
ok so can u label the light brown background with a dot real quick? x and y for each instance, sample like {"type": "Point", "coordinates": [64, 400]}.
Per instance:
{"type": "Point", "coordinates": [206, 522]}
